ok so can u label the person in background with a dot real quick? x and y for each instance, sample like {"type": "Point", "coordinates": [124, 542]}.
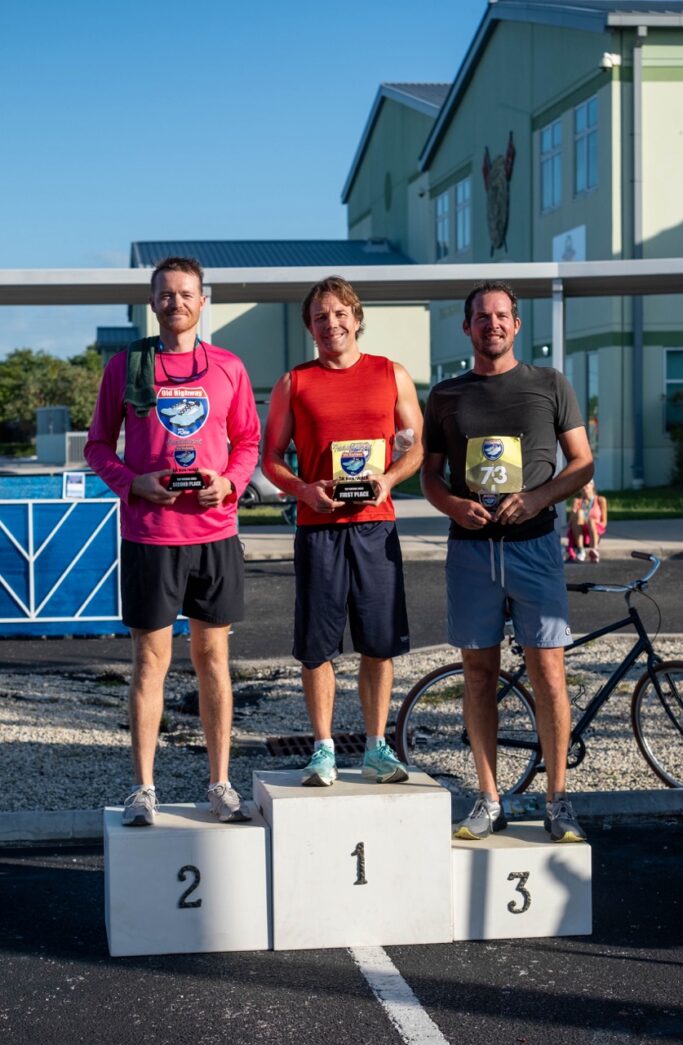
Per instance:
{"type": "Point", "coordinates": [587, 523]}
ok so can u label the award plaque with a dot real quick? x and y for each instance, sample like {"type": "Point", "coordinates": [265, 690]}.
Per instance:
{"type": "Point", "coordinates": [491, 500]}
{"type": "Point", "coordinates": [354, 463]}
{"type": "Point", "coordinates": [181, 481]}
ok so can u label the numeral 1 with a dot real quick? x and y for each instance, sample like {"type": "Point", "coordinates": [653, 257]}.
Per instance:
{"type": "Point", "coordinates": [359, 853]}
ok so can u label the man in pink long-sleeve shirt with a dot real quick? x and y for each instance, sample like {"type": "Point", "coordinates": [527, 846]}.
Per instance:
{"type": "Point", "coordinates": [186, 462]}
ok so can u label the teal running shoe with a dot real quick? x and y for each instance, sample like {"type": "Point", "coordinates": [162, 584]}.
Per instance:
{"type": "Point", "coordinates": [381, 765]}
{"type": "Point", "coordinates": [321, 771]}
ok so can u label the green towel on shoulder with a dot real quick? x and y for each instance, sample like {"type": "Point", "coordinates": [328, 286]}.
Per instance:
{"type": "Point", "coordinates": [140, 375]}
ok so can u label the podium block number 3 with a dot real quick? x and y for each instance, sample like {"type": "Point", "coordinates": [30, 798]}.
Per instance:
{"type": "Point", "coordinates": [182, 875]}
{"type": "Point", "coordinates": [514, 907]}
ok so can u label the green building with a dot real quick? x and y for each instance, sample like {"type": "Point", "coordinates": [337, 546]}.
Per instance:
{"type": "Point", "coordinates": [560, 139]}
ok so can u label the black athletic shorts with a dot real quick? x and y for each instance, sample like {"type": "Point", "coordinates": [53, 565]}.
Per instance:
{"type": "Point", "coordinates": [357, 569]}
{"type": "Point", "coordinates": [203, 581]}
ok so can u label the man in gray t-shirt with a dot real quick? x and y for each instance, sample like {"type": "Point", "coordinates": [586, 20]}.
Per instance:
{"type": "Point", "coordinates": [498, 427]}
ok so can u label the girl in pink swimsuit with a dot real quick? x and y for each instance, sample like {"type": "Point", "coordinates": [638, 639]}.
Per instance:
{"type": "Point", "coordinates": [587, 523]}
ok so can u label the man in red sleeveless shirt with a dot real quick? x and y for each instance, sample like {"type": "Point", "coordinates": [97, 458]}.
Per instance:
{"type": "Point", "coordinates": [347, 556]}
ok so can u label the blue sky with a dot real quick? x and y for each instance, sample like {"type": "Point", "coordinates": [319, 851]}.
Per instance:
{"type": "Point", "coordinates": [220, 120]}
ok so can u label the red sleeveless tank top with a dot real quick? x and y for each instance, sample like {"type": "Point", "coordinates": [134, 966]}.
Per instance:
{"type": "Point", "coordinates": [334, 405]}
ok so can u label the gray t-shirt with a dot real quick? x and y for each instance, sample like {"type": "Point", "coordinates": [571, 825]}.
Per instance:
{"type": "Point", "coordinates": [535, 403]}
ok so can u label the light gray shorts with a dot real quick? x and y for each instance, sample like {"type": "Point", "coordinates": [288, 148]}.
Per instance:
{"type": "Point", "coordinates": [481, 575]}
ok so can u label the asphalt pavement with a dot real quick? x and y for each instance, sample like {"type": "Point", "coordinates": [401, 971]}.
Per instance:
{"type": "Point", "coordinates": [618, 986]}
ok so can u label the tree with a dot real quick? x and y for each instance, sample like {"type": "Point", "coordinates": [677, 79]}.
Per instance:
{"type": "Point", "coordinates": [29, 380]}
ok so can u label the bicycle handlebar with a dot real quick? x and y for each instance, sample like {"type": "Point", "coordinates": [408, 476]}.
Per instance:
{"type": "Point", "coordinates": [636, 585]}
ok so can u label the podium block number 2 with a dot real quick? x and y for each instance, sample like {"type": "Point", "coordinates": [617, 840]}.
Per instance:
{"type": "Point", "coordinates": [196, 879]}
{"type": "Point", "coordinates": [514, 906]}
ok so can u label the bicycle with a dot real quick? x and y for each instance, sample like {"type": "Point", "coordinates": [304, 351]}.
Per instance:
{"type": "Point", "coordinates": [431, 734]}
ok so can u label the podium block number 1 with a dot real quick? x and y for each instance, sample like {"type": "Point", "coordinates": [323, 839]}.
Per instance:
{"type": "Point", "coordinates": [197, 877]}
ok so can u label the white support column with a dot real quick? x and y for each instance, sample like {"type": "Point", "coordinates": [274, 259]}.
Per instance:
{"type": "Point", "coordinates": [558, 363]}
{"type": "Point", "coordinates": [205, 330]}
{"type": "Point", "coordinates": [558, 325]}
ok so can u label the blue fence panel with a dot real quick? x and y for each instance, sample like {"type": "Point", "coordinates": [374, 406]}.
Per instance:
{"type": "Point", "coordinates": [59, 567]}
{"type": "Point", "coordinates": [59, 559]}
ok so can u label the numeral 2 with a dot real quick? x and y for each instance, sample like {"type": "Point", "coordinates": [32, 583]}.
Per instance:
{"type": "Point", "coordinates": [182, 875]}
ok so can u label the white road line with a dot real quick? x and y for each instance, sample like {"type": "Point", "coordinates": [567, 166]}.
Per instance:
{"type": "Point", "coordinates": [400, 1004]}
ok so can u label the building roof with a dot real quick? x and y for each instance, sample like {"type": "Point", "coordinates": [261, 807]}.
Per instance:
{"type": "Point", "coordinates": [426, 98]}
{"type": "Point", "coordinates": [594, 16]}
{"type": "Point", "coordinates": [331, 254]}
{"type": "Point", "coordinates": [107, 336]}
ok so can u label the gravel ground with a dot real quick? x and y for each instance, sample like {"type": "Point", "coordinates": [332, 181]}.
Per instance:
{"type": "Point", "coordinates": [65, 744]}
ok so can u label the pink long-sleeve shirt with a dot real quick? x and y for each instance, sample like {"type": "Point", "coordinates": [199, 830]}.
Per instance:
{"type": "Point", "coordinates": [210, 421]}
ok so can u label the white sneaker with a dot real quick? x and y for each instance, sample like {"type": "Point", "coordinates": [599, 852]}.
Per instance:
{"type": "Point", "coordinates": [594, 555]}
{"type": "Point", "coordinates": [140, 808]}
{"type": "Point", "coordinates": [580, 555]}
{"type": "Point", "coordinates": [226, 804]}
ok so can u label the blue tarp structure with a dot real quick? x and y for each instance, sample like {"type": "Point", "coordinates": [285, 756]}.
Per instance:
{"type": "Point", "coordinates": [59, 559]}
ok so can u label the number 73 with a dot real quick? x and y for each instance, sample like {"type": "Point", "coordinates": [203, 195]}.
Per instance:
{"type": "Point", "coordinates": [496, 474]}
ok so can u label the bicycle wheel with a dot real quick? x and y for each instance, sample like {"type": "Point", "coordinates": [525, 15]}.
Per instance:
{"type": "Point", "coordinates": [431, 735]}
{"type": "Point", "coordinates": [657, 720]}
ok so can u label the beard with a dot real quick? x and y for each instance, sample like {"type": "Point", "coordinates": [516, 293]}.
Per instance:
{"type": "Point", "coordinates": [493, 349]}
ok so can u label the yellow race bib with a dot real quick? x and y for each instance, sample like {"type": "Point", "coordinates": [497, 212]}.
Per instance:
{"type": "Point", "coordinates": [494, 464]}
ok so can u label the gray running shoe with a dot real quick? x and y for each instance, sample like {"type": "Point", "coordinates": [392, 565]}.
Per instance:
{"type": "Point", "coordinates": [321, 770]}
{"type": "Point", "coordinates": [560, 820]}
{"type": "Point", "coordinates": [227, 804]}
{"type": "Point", "coordinates": [140, 808]}
{"type": "Point", "coordinates": [486, 816]}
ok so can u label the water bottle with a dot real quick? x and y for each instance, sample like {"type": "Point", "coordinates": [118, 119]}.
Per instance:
{"type": "Point", "coordinates": [403, 441]}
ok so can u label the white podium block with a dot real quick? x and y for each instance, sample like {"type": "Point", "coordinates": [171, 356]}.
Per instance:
{"type": "Point", "coordinates": [517, 883]}
{"type": "Point", "coordinates": [187, 884]}
{"type": "Point", "coordinates": [358, 863]}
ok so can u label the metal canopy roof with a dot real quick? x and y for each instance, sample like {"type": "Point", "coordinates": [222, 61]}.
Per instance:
{"type": "Point", "coordinates": [279, 253]}
{"type": "Point", "coordinates": [372, 283]}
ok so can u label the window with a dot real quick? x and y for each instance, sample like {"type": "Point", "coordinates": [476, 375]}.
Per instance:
{"type": "Point", "coordinates": [569, 369]}
{"type": "Point", "coordinates": [463, 214]}
{"type": "Point", "coordinates": [593, 397]}
{"type": "Point", "coordinates": [586, 145]}
{"type": "Point", "coordinates": [674, 388]}
{"type": "Point", "coordinates": [442, 226]}
{"type": "Point", "coordinates": [551, 166]}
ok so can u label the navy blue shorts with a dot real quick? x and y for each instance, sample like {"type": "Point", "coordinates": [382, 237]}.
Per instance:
{"type": "Point", "coordinates": [203, 581]}
{"type": "Point", "coordinates": [355, 569]}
